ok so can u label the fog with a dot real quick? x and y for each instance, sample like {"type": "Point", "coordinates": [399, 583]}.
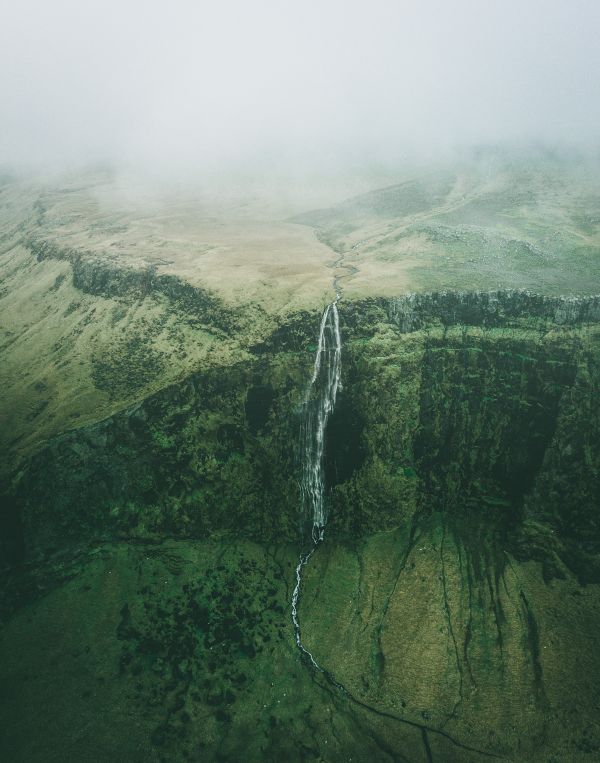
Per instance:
{"type": "Point", "coordinates": [200, 86]}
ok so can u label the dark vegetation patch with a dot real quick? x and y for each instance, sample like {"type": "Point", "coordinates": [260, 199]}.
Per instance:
{"type": "Point", "coordinates": [296, 335]}
{"type": "Point", "coordinates": [127, 367]}
{"type": "Point", "coordinates": [189, 649]}
{"type": "Point", "coordinates": [259, 400]}
{"type": "Point", "coordinates": [37, 408]}
{"type": "Point", "coordinates": [23, 581]}
{"type": "Point", "coordinates": [59, 280]}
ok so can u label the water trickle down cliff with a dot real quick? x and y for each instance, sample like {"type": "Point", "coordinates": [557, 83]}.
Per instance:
{"type": "Point", "coordinates": [319, 403]}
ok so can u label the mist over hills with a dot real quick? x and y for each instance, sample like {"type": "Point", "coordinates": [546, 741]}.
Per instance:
{"type": "Point", "coordinates": [251, 89]}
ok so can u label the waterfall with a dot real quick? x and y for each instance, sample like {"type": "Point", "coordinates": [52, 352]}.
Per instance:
{"type": "Point", "coordinates": [319, 402]}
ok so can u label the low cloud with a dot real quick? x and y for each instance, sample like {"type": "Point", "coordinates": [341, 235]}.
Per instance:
{"type": "Point", "coordinates": [200, 86]}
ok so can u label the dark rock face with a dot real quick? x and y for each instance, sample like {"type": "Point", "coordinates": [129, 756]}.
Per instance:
{"type": "Point", "coordinates": [102, 278]}
{"type": "Point", "coordinates": [345, 452]}
{"type": "Point", "coordinates": [500, 408]}
{"type": "Point", "coordinates": [491, 309]}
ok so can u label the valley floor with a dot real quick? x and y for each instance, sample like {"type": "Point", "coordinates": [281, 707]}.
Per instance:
{"type": "Point", "coordinates": [184, 650]}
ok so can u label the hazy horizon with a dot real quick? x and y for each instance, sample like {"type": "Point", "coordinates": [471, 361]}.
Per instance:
{"type": "Point", "coordinates": [266, 87]}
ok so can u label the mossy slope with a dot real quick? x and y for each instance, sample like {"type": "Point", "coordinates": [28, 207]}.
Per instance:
{"type": "Point", "coordinates": [456, 595]}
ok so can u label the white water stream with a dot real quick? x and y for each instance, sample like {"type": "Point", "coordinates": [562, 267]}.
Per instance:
{"type": "Point", "coordinates": [319, 402]}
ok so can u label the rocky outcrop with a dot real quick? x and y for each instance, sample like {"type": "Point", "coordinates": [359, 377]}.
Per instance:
{"type": "Point", "coordinates": [491, 309]}
{"type": "Point", "coordinates": [105, 277]}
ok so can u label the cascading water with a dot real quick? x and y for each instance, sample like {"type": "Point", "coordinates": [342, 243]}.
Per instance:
{"type": "Point", "coordinates": [318, 404]}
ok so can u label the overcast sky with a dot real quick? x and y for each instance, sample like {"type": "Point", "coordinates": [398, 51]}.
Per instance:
{"type": "Point", "coordinates": [230, 82]}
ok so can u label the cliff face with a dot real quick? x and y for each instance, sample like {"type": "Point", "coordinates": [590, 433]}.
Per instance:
{"type": "Point", "coordinates": [473, 405]}
{"type": "Point", "coordinates": [492, 309]}
{"type": "Point", "coordinates": [456, 595]}
{"type": "Point", "coordinates": [101, 277]}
